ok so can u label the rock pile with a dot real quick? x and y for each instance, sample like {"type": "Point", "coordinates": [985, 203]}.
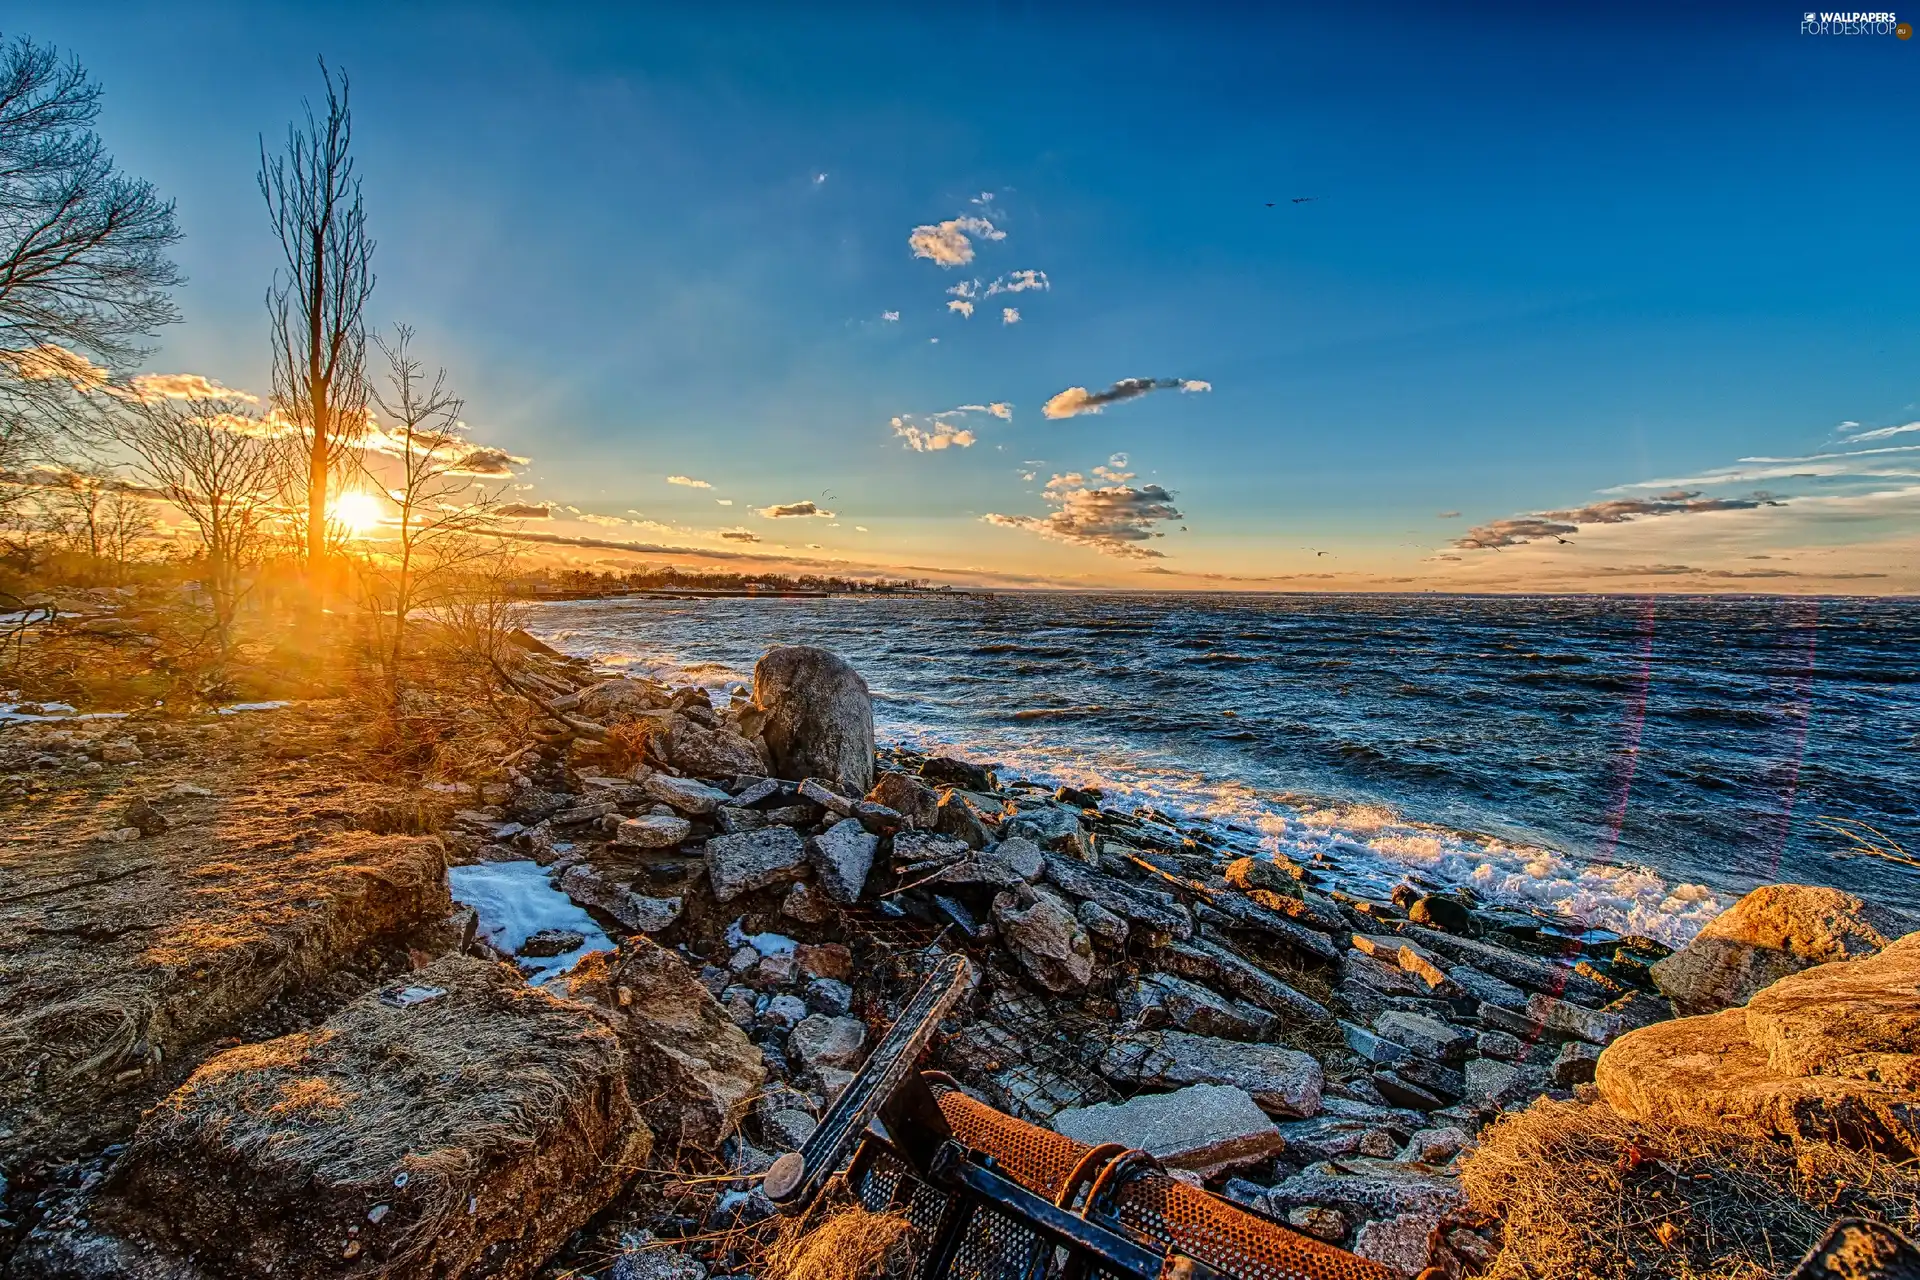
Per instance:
{"type": "Point", "coordinates": [1321, 1058]}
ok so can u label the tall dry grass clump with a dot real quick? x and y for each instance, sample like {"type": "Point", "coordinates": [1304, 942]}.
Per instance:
{"type": "Point", "coordinates": [848, 1243]}
{"type": "Point", "coordinates": [1587, 1194]}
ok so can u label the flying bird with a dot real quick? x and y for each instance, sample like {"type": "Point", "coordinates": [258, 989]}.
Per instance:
{"type": "Point", "coordinates": [1565, 542]}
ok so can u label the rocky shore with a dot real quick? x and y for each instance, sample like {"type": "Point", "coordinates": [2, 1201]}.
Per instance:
{"type": "Point", "coordinates": [715, 910]}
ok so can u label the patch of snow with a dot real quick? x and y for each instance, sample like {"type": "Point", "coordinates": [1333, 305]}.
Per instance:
{"type": "Point", "coordinates": [235, 708]}
{"type": "Point", "coordinates": [516, 900]}
{"type": "Point", "coordinates": [767, 944]}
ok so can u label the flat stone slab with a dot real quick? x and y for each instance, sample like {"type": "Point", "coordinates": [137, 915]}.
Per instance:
{"type": "Point", "coordinates": [752, 860]}
{"type": "Point", "coordinates": [1205, 1127]}
{"type": "Point", "coordinates": [1189, 1006]}
{"type": "Point", "coordinates": [1283, 1081]}
{"type": "Point", "coordinates": [841, 857]}
{"type": "Point", "coordinates": [1218, 967]}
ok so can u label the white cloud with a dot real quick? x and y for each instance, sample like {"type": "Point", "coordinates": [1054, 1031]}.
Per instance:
{"type": "Point", "coordinates": [1114, 519]}
{"type": "Point", "coordinates": [791, 510]}
{"type": "Point", "coordinates": [946, 242]}
{"type": "Point", "coordinates": [739, 535]}
{"type": "Point", "coordinates": [965, 289]}
{"type": "Point", "coordinates": [860, 528]}
{"type": "Point", "coordinates": [961, 305]}
{"type": "Point", "coordinates": [688, 482]}
{"type": "Point", "coordinates": [1019, 282]}
{"type": "Point", "coordinates": [941, 435]}
{"type": "Point", "coordinates": [1009, 315]}
{"type": "Point", "coordinates": [819, 178]}
{"type": "Point", "coordinates": [1882, 433]}
{"type": "Point", "coordinates": [1078, 400]}
{"type": "Point", "coordinates": [889, 316]}
{"type": "Point", "coordinates": [725, 502]}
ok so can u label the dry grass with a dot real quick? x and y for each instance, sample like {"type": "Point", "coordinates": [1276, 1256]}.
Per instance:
{"type": "Point", "coordinates": [1585, 1193]}
{"type": "Point", "coordinates": [847, 1243]}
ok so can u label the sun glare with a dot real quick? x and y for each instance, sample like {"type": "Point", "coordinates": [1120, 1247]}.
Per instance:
{"type": "Point", "coordinates": [359, 513]}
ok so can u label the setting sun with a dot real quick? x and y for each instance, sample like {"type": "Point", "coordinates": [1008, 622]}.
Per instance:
{"type": "Point", "coordinates": [358, 512]}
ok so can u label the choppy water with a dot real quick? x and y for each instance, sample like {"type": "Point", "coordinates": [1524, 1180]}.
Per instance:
{"type": "Point", "coordinates": [1636, 762]}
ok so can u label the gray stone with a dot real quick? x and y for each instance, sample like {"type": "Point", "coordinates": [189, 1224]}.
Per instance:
{"type": "Point", "coordinates": [827, 798]}
{"type": "Point", "coordinates": [685, 795]}
{"type": "Point", "coordinates": [1331, 1137]}
{"type": "Point", "coordinates": [1208, 1127]}
{"type": "Point", "coordinates": [1374, 1048]}
{"type": "Point", "coordinates": [829, 996]}
{"type": "Point", "coordinates": [1499, 1044]}
{"type": "Point", "coordinates": [1575, 1065]}
{"type": "Point", "coordinates": [954, 817]}
{"type": "Point", "coordinates": [1511, 966]}
{"type": "Point", "coordinates": [788, 1128]}
{"type": "Point", "coordinates": [1401, 1244]}
{"type": "Point", "coordinates": [752, 860]}
{"type": "Point", "coordinates": [1159, 915]}
{"type": "Point", "coordinates": [785, 1011]}
{"type": "Point", "coordinates": [1509, 1020]}
{"type": "Point", "coordinates": [915, 848]}
{"type": "Point", "coordinates": [1192, 1007]}
{"type": "Point", "coordinates": [1384, 977]}
{"type": "Point", "coordinates": [1045, 937]}
{"type": "Point", "coordinates": [1486, 988]}
{"type": "Point", "coordinates": [732, 819]}
{"type": "Point", "coordinates": [1283, 1081]}
{"type": "Point", "coordinates": [1499, 1083]}
{"type": "Point", "coordinates": [550, 942]}
{"type": "Point", "coordinates": [1368, 1189]}
{"type": "Point", "coordinates": [841, 857]}
{"type": "Point", "coordinates": [1409, 956]}
{"type": "Point", "coordinates": [1424, 1035]}
{"type": "Point", "coordinates": [822, 1041]}
{"type": "Point", "coordinates": [1435, 1146]}
{"type": "Point", "coordinates": [635, 911]}
{"type": "Point", "coordinates": [1020, 855]}
{"type": "Point", "coordinates": [1231, 911]}
{"type": "Point", "coordinates": [879, 819]}
{"type": "Point", "coordinates": [1433, 1077]}
{"type": "Point", "coordinates": [819, 716]}
{"type": "Point", "coordinates": [1102, 925]}
{"type": "Point", "coordinates": [907, 796]}
{"type": "Point", "coordinates": [1223, 970]}
{"type": "Point", "coordinates": [652, 831]}
{"type": "Point", "coordinates": [1047, 825]}
{"type": "Point", "coordinates": [1591, 1025]}
{"type": "Point", "coordinates": [1776, 930]}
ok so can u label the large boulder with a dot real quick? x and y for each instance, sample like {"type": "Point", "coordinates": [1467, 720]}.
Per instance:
{"type": "Point", "coordinates": [819, 716]}
{"type": "Point", "coordinates": [1776, 930]}
{"type": "Point", "coordinates": [1857, 1019]}
{"type": "Point", "coordinates": [691, 1070]}
{"type": "Point", "coordinates": [462, 1124]}
{"type": "Point", "coordinates": [1706, 1069]}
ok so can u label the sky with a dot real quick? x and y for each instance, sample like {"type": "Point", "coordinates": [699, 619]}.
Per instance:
{"type": "Point", "coordinates": [1601, 298]}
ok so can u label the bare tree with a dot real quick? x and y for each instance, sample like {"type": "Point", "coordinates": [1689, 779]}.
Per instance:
{"type": "Point", "coordinates": [444, 514]}
{"type": "Point", "coordinates": [210, 457]}
{"type": "Point", "coordinates": [318, 299]}
{"type": "Point", "coordinates": [84, 271]}
{"type": "Point", "coordinates": [100, 517]}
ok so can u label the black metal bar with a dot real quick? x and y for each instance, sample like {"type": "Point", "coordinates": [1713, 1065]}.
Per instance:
{"type": "Point", "coordinates": [966, 1179]}
{"type": "Point", "coordinates": [796, 1177]}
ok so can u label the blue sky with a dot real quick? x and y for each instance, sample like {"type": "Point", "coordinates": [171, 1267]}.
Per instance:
{"type": "Point", "coordinates": [1552, 259]}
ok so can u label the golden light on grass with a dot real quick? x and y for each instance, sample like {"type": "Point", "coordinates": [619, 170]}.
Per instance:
{"type": "Point", "coordinates": [358, 512]}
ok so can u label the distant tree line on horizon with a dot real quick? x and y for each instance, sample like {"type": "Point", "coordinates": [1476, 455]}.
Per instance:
{"type": "Point", "coordinates": [669, 578]}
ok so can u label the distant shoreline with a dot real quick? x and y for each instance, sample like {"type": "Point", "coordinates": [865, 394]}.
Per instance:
{"type": "Point", "coordinates": [729, 593]}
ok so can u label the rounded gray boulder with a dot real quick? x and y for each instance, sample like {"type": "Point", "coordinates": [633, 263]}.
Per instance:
{"type": "Point", "coordinates": [819, 716]}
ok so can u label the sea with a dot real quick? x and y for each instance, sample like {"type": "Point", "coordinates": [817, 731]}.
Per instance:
{"type": "Point", "coordinates": [1635, 764]}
